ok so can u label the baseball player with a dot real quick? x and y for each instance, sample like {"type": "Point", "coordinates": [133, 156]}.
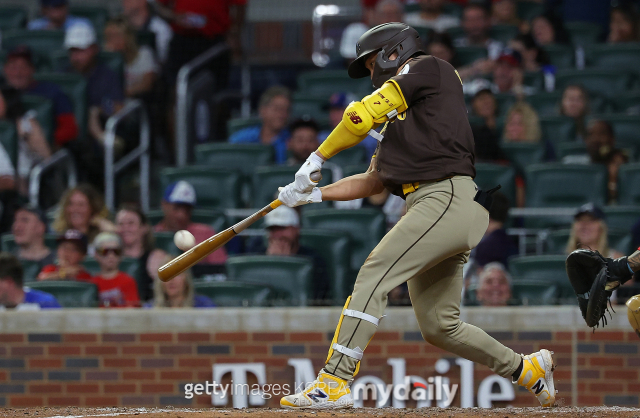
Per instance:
{"type": "Point", "coordinates": [426, 156]}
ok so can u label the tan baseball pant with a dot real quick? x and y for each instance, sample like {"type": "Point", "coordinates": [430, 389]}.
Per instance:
{"type": "Point", "coordinates": [428, 248]}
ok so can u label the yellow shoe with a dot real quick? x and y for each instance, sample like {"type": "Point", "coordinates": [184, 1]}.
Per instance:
{"type": "Point", "coordinates": [537, 376]}
{"type": "Point", "coordinates": [326, 392]}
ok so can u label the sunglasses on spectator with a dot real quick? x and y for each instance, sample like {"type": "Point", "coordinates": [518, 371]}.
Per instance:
{"type": "Point", "coordinates": [105, 251]}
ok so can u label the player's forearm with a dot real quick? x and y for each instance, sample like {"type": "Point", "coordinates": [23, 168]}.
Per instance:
{"type": "Point", "coordinates": [358, 186]}
{"type": "Point", "coordinates": [634, 261]}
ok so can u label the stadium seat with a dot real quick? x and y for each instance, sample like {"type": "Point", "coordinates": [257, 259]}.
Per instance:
{"type": "Point", "coordinates": [40, 41]}
{"type": "Point", "coordinates": [558, 128]}
{"type": "Point", "coordinates": [241, 157]}
{"type": "Point", "coordinates": [45, 115]}
{"type": "Point", "coordinates": [628, 190]}
{"type": "Point", "coordinates": [97, 15]}
{"type": "Point", "coordinates": [628, 103]}
{"type": "Point", "coordinates": [290, 276]}
{"type": "Point", "coordinates": [607, 83]}
{"type": "Point", "coordinates": [214, 218]}
{"type": "Point", "coordinates": [622, 57]}
{"type": "Point", "coordinates": [546, 104]}
{"type": "Point", "coordinates": [556, 241]}
{"type": "Point", "coordinates": [451, 8]}
{"type": "Point", "coordinates": [235, 294]}
{"type": "Point", "coordinates": [504, 102]}
{"type": "Point", "coordinates": [534, 79]}
{"type": "Point", "coordinates": [622, 217]}
{"type": "Point", "coordinates": [490, 175]}
{"type": "Point", "coordinates": [334, 249]}
{"type": "Point", "coordinates": [128, 265]}
{"type": "Point", "coordinates": [215, 188]}
{"type": "Point", "coordinates": [503, 33]}
{"type": "Point", "coordinates": [534, 292]}
{"type": "Point", "coordinates": [30, 270]}
{"type": "Point", "coordinates": [550, 268]}
{"type": "Point", "coordinates": [70, 294]}
{"type": "Point", "coordinates": [522, 154]}
{"type": "Point", "coordinates": [146, 38]}
{"type": "Point", "coordinates": [266, 181]}
{"type": "Point", "coordinates": [350, 156]}
{"type": "Point", "coordinates": [234, 125]}
{"type": "Point", "coordinates": [164, 241]}
{"type": "Point", "coordinates": [527, 10]}
{"type": "Point", "coordinates": [12, 18]}
{"type": "Point", "coordinates": [565, 185]}
{"type": "Point", "coordinates": [322, 84]}
{"type": "Point", "coordinates": [564, 149]}
{"type": "Point", "coordinates": [467, 55]}
{"type": "Point", "coordinates": [583, 33]}
{"type": "Point", "coordinates": [365, 227]}
{"type": "Point", "coordinates": [74, 86]}
{"type": "Point", "coordinates": [9, 140]}
{"type": "Point", "coordinates": [9, 244]}
{"type": "Point", "coordinates": [351, 170]}
{"type": "Point", "coordinates": [562, 56]}
{"type": "Point", "coordinates": [626, 129]}
{"type": "Point", "coordinates": [312, 107]}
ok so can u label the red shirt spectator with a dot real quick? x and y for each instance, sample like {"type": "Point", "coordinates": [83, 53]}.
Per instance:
{"type": "Point", "coordinates": [80, 274]}
{"type": "Point", "coordinates": [208, 18]}
{"type": "Point", "coordinates": [72, 248]}
{"type": "Point", "coordinates": [120, 290]}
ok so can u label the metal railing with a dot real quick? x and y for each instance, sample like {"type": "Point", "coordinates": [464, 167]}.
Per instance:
{"type": "Point", "coordinates": [60, 158]}
{"type": "Point", "coordinates": [112, 168]}
{"type": "Point", "coordinates": [182, 103]}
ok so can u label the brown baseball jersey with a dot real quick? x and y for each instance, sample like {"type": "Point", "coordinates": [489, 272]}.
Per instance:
{"type": "Point", "coordinates": [432, 139]}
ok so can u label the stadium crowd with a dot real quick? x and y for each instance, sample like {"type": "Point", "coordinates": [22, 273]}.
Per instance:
{"type": "Point", "coordinates": [553, 102]}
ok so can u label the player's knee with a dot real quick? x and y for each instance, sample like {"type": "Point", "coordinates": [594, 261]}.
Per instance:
{"type": "Point", "coordinates": [438, 331]}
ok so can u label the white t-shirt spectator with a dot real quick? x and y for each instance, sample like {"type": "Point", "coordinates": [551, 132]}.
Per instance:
{"type": "Point", "coordinates": [163, 33]}
{"type": "Point", "coordinates": [144, 63]}
{"type": "Point", "coordinates": [441, 24]}
{"type": "Point", "coordinates": [6, 166]}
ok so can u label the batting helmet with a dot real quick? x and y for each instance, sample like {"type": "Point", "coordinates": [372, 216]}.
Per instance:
{"type": "Point", "coordinates": [386, 39]}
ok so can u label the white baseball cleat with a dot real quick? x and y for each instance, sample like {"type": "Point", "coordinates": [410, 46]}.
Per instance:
{"type": "Point", "coordinates": [537, 376]}
{"type": "Point", "coordinates": [326, 392]}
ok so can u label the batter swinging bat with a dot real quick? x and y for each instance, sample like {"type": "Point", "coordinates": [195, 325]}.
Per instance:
{"type": "Point", "coordinates": [189, 258]}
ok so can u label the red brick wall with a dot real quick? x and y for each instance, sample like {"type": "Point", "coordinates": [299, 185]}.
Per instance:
{"type": "Point", "coordinates": [150, 369]}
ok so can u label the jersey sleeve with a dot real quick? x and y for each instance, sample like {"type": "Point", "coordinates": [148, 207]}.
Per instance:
{"type": "Point", "coordinates": [418, 78]}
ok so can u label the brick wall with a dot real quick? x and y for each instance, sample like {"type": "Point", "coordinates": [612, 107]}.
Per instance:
{"type": "Point", "coordinates": [132, 369]}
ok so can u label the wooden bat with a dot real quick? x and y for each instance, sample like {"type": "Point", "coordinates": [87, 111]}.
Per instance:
{"type": "Point", "coordinates": [187, 259]}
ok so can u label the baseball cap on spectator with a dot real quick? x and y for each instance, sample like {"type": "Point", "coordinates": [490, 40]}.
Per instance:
{"type": "Point", "coordinates": [282, 216]}
{"type": "Point", "coordinates": [511, 57]}
{"type": "Point", "coordinates": [75, 236]}
{"type": "Point", "coordinates": [104, 238]}
{"type": "Point", "coordinates": [80, 36]}
{"type": "Point", "coordinates": [21, 51]}
{"type": "Point", "coordinates": [53, 3]}
{"type": "Point", "coordinates": [180, 192]}
{"type": "Point", "coordinates": [590, 209]}
{"type": "Point", "coordinates": [340, 100]}
{"type": "Point", "coordinates": [36, 211]}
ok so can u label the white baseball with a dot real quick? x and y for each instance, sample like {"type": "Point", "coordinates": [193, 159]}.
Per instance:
{"type": "Point", "coordinates": [184, 240]}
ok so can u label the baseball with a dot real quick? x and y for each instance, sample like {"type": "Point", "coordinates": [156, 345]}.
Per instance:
{"type": "Point", "coordinates": [184, 240]}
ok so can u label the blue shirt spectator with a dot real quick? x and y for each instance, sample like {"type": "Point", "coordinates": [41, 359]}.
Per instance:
{"type": "Point", "coordinates": [251, 135]}
{"type": "Point", "coordinates": [45, 300]}
{"type": "Point", "coordinates": [44, 23]}
{"type": "Point", "coordinates": [55, 15]}
{"type": "Point", "coordinates": [12, 293]}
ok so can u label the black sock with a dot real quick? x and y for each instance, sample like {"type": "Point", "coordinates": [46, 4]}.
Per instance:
{"type": "Point", "coordinates": [518, 372]}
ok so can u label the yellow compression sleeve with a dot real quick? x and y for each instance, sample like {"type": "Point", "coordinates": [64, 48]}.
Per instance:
{"type": "Point", "coordinates": [339, 139]}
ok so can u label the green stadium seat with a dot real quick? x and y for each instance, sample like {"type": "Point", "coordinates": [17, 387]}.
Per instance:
{"type": "Point", "coordinates": [451, 8]}
{"type": "Point", "coordinates": [164, 241]}
{"type": "Point", "coordinates": [522, 154]}
{"type": "Point", "coordinates": [216, 219]}
{"type": "Point", "coordinates": [40, 41]}
{"type": "Point", "coordinates": [562, 56]}
{"type": "Point", "coordinates": [626, 129]}
{"type": "Point", "coordinates": [128, 265]}
{"type": "Point", "coordinates": [621, 217]}
{"type": "Point", "coordinates": [236, 294]}
{"type": "Point", "coordinates": [622, 57]}
{"type": "Point", "coordinates": [628, 190]}
{"type": "Point", "coordinates": [546, 104]}
{"type": "Point", "coordinates": [70, 294]}
{"type": "Point", "coordinates": [308, 106]}
{"type": "Point", "coordinates": [490, 175]}
{"type": "Point", "coordinates": [290, 276]}
{"type": "Point", "coordinates": [527, 10]}
{"type": "Point", "coordinates": [9, 140]}
{"type": "Point", "coordinates": [235, 125]}
{"type": "Point", "coordinates": [74, 86]}
{"type": "Point", "coordinates": [453, 32]}
{"type": "Point", "coordinates": [504, 102]}
{"type": "Point", "coordinates": [619, 239]}
{"type": "Point", "coordinates": [351, 170]}
{"type": "Point", "coordinates": [215, 188]}
{"type": "Point", "coordinates": [534, 293]}
{"type": "Point", "coordinates": [45, 115]}
{"type": "Point", "coordinates": [97, 15]}
{"type": "Point", "coordinates": [534, 79]}
{"type": "Point", "coordinates": [242, 157]}
{"type": "Point", "coordinates": [30, 270]}
{"type": "Point", "coordinates": [564, 149]}
{"type": "Point", "coordinates": [146, 38]}
{"type": "Point", "coordinates": [565, 185]}
{"type": "Point", "coordinates": [467, 55]}
{"type": "Point", "coordinates": [583, 33]}
{"type": "Point", "coordinates": [549, 268]}
{"type": "Point", "coordinates": [334, 249]}
{"type": "Point", "coordinates": [558, 128]}
{"type": "Point", "coordinates": [628, 103]}
{"type": "Point", "coordinates": [266, 181]}
{"type": "Point", "coordinates": [556, 241]}
{"type": "Point", "coordinates": [503, 33]}
{"type": "Point", "coordinates": [365, 227]}
{"type": "Point", "coordinates": [12, 18]}
{"type": "Point", "coordinates": [322, 84]}
{"type": "Point", "coordinates": [9, 244]}
{"type": "Point", "coordinates": [606, 83]}
{"type": "Point", "coordinates": [350, 156]}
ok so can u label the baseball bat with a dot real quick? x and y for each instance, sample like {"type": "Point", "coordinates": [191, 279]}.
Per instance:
{"type": "Point", "coordinates": [187, 259]}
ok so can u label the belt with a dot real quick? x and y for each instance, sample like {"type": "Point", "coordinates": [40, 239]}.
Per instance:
{"type": "Point", "coordinates": [408, 188]}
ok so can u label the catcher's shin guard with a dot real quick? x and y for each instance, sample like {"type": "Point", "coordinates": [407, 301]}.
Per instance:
{"type": "Point", "coordinates": [357, 352]}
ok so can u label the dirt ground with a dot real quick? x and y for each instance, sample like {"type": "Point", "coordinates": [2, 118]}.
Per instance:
{"type": "Point", "coordinates": [561, 412]}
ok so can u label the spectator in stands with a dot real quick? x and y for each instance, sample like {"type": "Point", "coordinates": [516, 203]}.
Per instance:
{"type": "Point", "coordinates": [28, 229]}
{"type": "Point", "coordinates": [177, 292]}
{"type": "Point", "coordinates": [115, 288]}
{"type": "Point", "coordinates": [508, 76]}
{"type": "Point", "coordinates": [32, 143]}
{"type": "Point", "coordinates": [137, 242]}
{"type": "Point", "coordinates": [8, 194]}
{"type": "Point", "coordinates": [432, 16]}
{"type": "Point", "coordinates": [476, 23]}
{"type": "Point", "coordinates": [141, 69]}
{"type": "Point", "coordinates": [485, 134]}
{"type": "Point", "coordinates": [139, 15]}
{"type": "Point", "coordinates": [494, 286]}
{"type": "Point", "coordinates": [177, 204]}
{"type": "Point", "coordinates": [623, 26]}
{"type": "Point", "coordinates": [504, 12]}
{"type": "Point", "coordinates": [589, 230]}
{"type": "Point", "coordinates": [19, 71]}
{"type": "Point", "coordinates": [601, 147]}
{"type": "Point", "coordinates": [496, 245]}
{"type": "Point", "coordinates": [104, 88]}
{"type": "Point", "coordinates": [72, 248]}
{"type": "Point", "coordinates": [13, 294]}
{"type": "Point", "coordinates": [274, 107]}
{"type": "Point", "coordinates": [441, 46]}
{"type": "Point", "coordinates": [522, 124]}
{"type": "Point", "coordinates": [82, 208]}
{"type": "Point", "coordinates": [303, 141]}
{"type": "Point", "coordinates": [547, 30]}
{"type": "Point", "coordinates": [534, 58]}
{"type": "Point", "coordinates": [575, 104]}
{"type": "Point", "coordinates": [55, 15]}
